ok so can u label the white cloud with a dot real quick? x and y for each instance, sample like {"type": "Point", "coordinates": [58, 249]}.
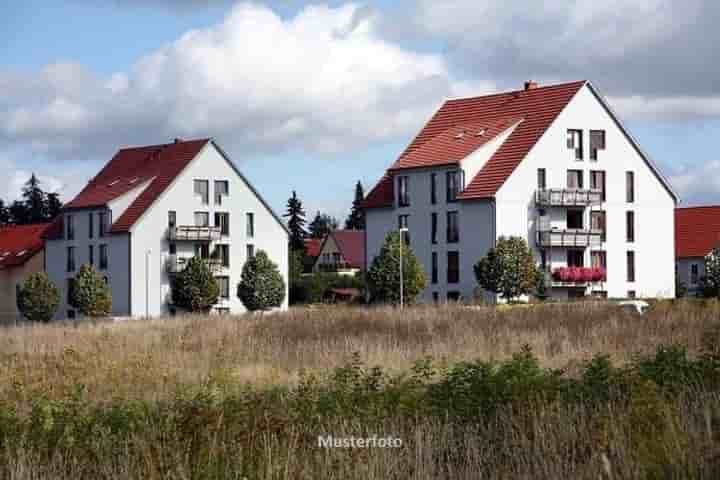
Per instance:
{"type": "Point", "coordinates": [698, 184]}
{"type": "Point", "coordinates": [323, 80]}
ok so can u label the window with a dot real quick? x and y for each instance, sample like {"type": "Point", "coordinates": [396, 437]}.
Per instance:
{"type": "Point", "coordinates": [575, 179]}
{"type": "Point", "coordinates": [221, 190]}
{"type": "Point", "coordinates": [541, 179]}
{"type": "Point", "coordinates": [70, 291]}
{"type": "Point", "coordinates": [172, 248]}
{"type": "Point", "coordinates": [434, 265]}
{"type": "Point", "coordinates": [453, 181]}
{"type": "Point", "coordinates": [403, 223]}
{"type": "Point", "coordinates": [71, 314]}
{"type": "Point", "coordinates": [630, 226]}
{"type": "Point", "coordinates": [597, 142]}
{"type": "Point", "coordinates": [598, 222]}
{"type": "Point", "coordinates": [91, 255]}
{"type": "Point", "coordinates": [575, 258]}
{"type": "Point", "coordinates": [597, 182]}
{"type": "Point", "coordinates": [575, 142]}
{"type": "Point", "coordinates": [202, 250]}
{"type": "Point", "coordinates": [453, 267]}
{"type": "Point", "coordinates": [200, 187]}
{"type": "Point", "coordinates": [694, 274]}
{"type": "Point", "coordinates": [91, 225]}
{"type": "Point", "coordinates": [106, 280]}
{"type": "Point", "coordinates": [250, 251]}
{"type": "Point", "coordinates": [598, 259]}
{"type": "Point", "coordinates": [453, 296]}
{"type": "Point", "coordinates": [70, 228]}
{"type": "Point", "coordinates": [631, 294]}
{"type": "Point", "coordinates": [104, 257]}
{"type": "Point", "coordinates": [630, 266]}
{"type": "Point", "coordinates": [223, 253]}
{"type": "Point", "coordinates": [433, 227]}
{"type": "Point", "coordinates": [103, 222]}
{"type": "Point", "coordinates": [222, 220]}
{"type": "Point", "coordinates": [70, 259]}
{"type": "Point", "coordinates": [403, 194]}
{"type": "Point", "coordinates": [433, 188]}
{"type": "Point", "coordinates": [629, 187]}
{"type": "Point", "coordinates": [435, 297]}
{"type": "Point", "coordinates": [543, 260]}
{"type": "Point", "coordinates": [202, 219]}
{"type": "Point", "coordinates": [575, 219]}
{"type": "Point", "coordinates": [453, 229]}
{"type": "Point", "coordinates": [250, 224]}
{"type": "Point", "coordinates": [172, 219]}
{"type": "Point", "coordinates": [224, 286]}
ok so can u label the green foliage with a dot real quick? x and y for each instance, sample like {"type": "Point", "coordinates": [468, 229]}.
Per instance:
{"type": "Point", "coordinates": [295, 215]}
{"type": "Point", "coordinates": [383, 277]}
{"type": "Point", "coordinates": [91, 295]}
{"type": "Point", "coordinates": [38, 298]}
{"type": "Point", "coordinates": [322, 225]}
{"type": "Point", "coordinates": [356, 219]}
{"type": "Point", "coordinates": [195, 288]}
{"type": "Point", "coordinates": [710, 283]}
{"type": "Point", "coordinates": [296, 265]}
{"type": "Point", "coordinates": [261, 286]}
{"type": "Point", "coordinates": [313, 288]}
{"type": "Point", "coordinates": [35, 206]}
{"type": "Point", "coordinates": [508, 269]}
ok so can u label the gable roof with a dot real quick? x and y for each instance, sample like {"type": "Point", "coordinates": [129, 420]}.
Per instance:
{"type": "Point", "coordinates": [312, 246]}
{"type": "Point", "coordinates": [537, 107]}
{"type": "Point", "coordinates": [351, 244]}
{"type": "Point", "coordinates": [697, 231]}
{"type": "Point", "coordinates": [19, 243]}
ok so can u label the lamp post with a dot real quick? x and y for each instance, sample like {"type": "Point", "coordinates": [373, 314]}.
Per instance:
{"type": "Point", "coordinates": [401, 230]}
{"type": "Point", "coordinates": [147, 283]}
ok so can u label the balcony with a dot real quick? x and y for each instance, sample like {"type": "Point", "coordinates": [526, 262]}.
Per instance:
{"type": "Point", "coordinates": [175, 264]}
{"type": "Point", "coordinates": [569, 238]}
{"type": "Point", "coordinates": [193, 234]}
{"type": "Point", "coordinates": [575, 276]}
{"type": "Point", "coordinates": [567, 197]}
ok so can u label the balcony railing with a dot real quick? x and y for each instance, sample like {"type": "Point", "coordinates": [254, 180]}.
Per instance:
{"type": "Point", "coordinates": [175, 264]}
{"type": "Point", "coordinates": [568, 197]}
{"type": "Point", "coordinates": [194, 234]}
{"type": "Point", "coordinates": [569, 238]}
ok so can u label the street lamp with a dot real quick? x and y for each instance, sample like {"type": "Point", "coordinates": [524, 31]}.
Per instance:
{"type": "Point", "coordinates": [401, 230]}
{"type": "Point", "coordinates": [148, 253]}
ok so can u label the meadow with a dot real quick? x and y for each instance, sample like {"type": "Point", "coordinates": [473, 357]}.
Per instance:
{"type": "Point", "coordinates": [579, 390]}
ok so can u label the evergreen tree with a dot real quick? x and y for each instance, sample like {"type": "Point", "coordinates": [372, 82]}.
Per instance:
{"type": "Point", "coordinates": [261, 286]}
{"type": "Point", "coordinates": [195, 288]}
{"type": "Point", "coordinates": [35, 201]}
{"type": "Point", "coordinates": [4, 213]}
{"type": "Point", "coordinates": [38, 298]}
{"type": "Point", "coordinates": [383, 277]}
{"type": "Point", "coordinates": [91, 295]}
{"type": "Point", "coordinates": [53, 206]}
{"type": "Point", "coordinates": [322, 224]}
{"type": "Point", "coordinates": [296, 222]}
{"type": "Point", "coordinates": [356, 219]}
{"type": "Point", "coordinates": [19, 214]}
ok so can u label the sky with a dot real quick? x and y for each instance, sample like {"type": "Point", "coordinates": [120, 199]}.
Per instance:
{"type": "Point", "coordinates": [313, 97]}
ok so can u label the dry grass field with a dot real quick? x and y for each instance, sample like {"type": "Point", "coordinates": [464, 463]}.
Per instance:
{"type": "Point", "coordinates": [246, 397]}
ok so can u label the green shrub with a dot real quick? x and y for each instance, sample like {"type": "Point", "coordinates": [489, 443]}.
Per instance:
{"type": "Point", "coordinates": [383, 277]}
{"type": "Point", "coordinates": [91, 294]}
{"type": "Point", "coordinates": [508, 269]}
{"type": "Point", "coordinates": [195, 288]}
{"type": "Point", "coordinates": [261, 286]}
{"type": "Point", "coordinates": [313, 288]}
{"type": "Point", "coordinates": [38, 298]}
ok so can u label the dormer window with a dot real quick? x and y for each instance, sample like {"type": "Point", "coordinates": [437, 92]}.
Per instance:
{"type": "Point", "coordinates": [575, 142]}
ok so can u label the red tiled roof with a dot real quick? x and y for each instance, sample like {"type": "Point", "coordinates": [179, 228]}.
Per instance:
{"type": "Point", "coordinates": [697, 231]}
{"type": "Point", "coordinates": [312, 246]}
{"type": "Point", "coordinates": [537, 107]}
{"type": "Point", "coordinates": [18, 243]}
{"type": "Point", "coordinates": [351, 244]}
{"type": "Point", "coordinates": [129, 168]}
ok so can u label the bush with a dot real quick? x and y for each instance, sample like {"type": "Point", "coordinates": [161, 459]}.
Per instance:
{"type": "Point", "coordinates": [38, 298]}
{"type": "Point", "coordinates": [261, 286]}
{"type": "Point", "coordinates": [508, 269]}
{"type": "Point", "coordinates": [383, 278]}
{"type": "Point", "coordinates": [195, 288]}
{"type": "Point", "coordinates": [314, 287]}
{"type": "Point", "coordinates": [90, 294]}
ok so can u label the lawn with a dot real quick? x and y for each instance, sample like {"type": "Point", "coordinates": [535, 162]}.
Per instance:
{"type": "Point", "coordinates": [577, 390]}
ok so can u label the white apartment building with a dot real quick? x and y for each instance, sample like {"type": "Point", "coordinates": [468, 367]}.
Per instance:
{"type": "Point", "coordinates": [148, 211]}
{"type": "Point", "coordinates": [550, 164]}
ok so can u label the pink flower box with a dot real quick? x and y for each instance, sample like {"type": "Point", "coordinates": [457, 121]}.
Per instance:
{"type": "Point", "coordinates": [579, 274]}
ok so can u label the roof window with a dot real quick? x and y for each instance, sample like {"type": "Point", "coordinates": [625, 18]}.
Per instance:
{"type": "Point", "coordinates": [480, 132]}
{"type": "Point", "coordinates": [134, 180]}
{"type": "Point", "coordinates": [113, 183]}
{"type": "Point", "coordinates": [460, 135]}
{"type": "Point", "coordinates": [21, 253]}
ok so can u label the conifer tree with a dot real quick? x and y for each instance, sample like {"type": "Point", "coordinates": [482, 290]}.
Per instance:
{"type": "Point", "coordinates": [296, 222]}
{"type": "Point", "coordinates": [356, 219]}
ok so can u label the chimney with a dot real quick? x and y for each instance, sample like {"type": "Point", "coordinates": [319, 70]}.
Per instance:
{"type": "Point", "coordinates": [531, 85]}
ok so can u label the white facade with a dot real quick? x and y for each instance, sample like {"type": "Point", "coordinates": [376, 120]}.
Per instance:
{"type": "Point", "coordinates": [140, 263]}
{"type": "Point", "coordinates": [515, 212]}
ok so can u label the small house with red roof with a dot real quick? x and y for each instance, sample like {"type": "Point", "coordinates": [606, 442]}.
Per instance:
{"type": "Point", "coordinates": [21, 255]}
{"type": "Point", "coordinates": [149, 210]}
{"type": "Point", "coordinates": [342, 251]}
{"type": "Point", "coordinates": [697, 233]}
{"type": "Point", "coordinates": [551, 164]}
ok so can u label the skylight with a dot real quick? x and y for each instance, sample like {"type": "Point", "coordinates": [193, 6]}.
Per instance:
{"type": "Point", "coordinates": [134, 180]}
{"type": "Point", "coordinates": [21, 253]}
{"type": "Point", "coordinates": [480, 132]}
{"type": "Point", "coordinates": [460, 135]}
{"type": "Point", "coordinates": [113, 183]}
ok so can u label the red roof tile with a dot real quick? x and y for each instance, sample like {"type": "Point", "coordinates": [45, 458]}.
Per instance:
{"type": "Point", "coordinates": [130, 168]}
{"type": "Point", "coordinates": [312, 246]}
{"type": "Point", "coordinates": [18, 243]}
{"type": "Point", "coordinates": [351, 244]}
{"type": "Point", "coordinates": [697, 231]}
{"type": "Point", "coordinates": [537, 107]}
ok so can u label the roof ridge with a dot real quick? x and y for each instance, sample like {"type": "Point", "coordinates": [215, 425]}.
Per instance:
{"type": "Point", "coordinates": [510, 92]}
{"type": "Point", "coordinates": [695, 207]}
